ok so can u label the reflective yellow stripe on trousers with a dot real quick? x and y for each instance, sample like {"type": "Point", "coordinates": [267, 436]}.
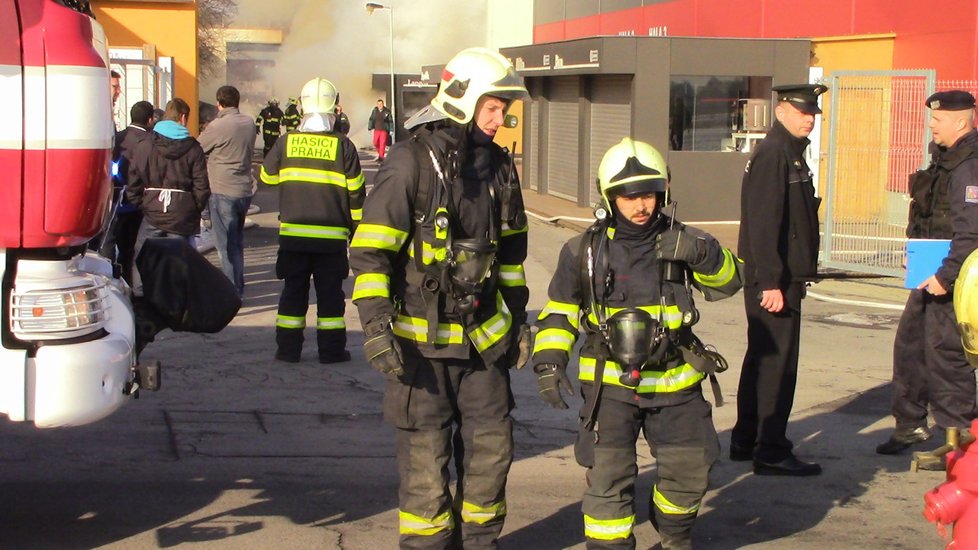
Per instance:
{"type": "Point", "coordinates": [608, 529]}
{"type": "Point", "coordinates": [411, 524]}
{"type": "Point", "coordinates": [472, 513]}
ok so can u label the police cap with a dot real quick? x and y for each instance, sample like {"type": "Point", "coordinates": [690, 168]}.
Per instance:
{"type": "Point", "coordinates": [803, 96]}
{"type": "Point", "coordinates": [951, 100]}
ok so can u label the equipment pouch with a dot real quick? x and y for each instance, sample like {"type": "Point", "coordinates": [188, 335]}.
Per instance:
{"type": "Point", "coordinates": [584, 445]}
{"type": "Point", "coordinates": [922, 191]}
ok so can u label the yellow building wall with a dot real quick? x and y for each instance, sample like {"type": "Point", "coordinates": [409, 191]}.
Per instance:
{"type": "Point", "coordinates": [854, 53]}
{"type": "Point", "coordinates": [171, 27]}
{"type": "Point", "coordinates": [506, 136]}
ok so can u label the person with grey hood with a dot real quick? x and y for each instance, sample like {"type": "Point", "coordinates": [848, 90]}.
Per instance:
{"type": "Point", "coordinates": [168, 181]}
{"type": "Point", "coordinates": [229, 143]}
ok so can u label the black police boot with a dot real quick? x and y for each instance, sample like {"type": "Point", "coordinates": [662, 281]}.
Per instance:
{"type": "Point", "coordinates": [903, 438]}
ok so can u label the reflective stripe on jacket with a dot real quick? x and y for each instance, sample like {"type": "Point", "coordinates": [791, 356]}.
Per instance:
{"type": "Point", "coordinates": [321, 189]}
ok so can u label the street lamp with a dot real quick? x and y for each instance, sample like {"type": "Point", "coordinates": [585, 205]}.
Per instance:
{"type": "Point", "coordinates": [371, 6]}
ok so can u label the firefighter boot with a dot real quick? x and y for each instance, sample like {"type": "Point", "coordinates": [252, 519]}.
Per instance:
{"type": "Point", "coordinates": [676, 542]}
{"type": "Point", "coordinates": [903, 438]}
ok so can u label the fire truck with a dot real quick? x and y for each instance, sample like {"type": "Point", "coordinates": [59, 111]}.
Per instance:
{"type": "Point", "coordinates": [68, 330]}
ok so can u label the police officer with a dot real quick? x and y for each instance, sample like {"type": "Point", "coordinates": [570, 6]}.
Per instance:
{"type": "Point", "coordinates": [929, 364]}
{"type": "Point", "coordinates": [321, 194]}
{"type": "Point", "coordinates": [438, 261]}
{"type": "Point", "coordinates": [269, 124]}
{"type": "Point", "coordinates": [293, 115]}
{"type": "Point", "coordinates": [631, 270]}
{"type": "Point", "coordinates": [779, 245]}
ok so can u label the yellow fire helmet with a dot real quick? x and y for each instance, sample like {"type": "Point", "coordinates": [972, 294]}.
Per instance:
{"type": "Point", "coordinates": [631, 167]}
{"type": "Point", "coordinates": [471, 74]}
{"type": "Point", "coordinates": [966, 306]}
{"type": "Point", "coordinates": [318, 96]}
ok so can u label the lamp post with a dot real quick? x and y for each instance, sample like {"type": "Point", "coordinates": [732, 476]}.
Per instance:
{"type": "Point", "coordinates": [371, 6]}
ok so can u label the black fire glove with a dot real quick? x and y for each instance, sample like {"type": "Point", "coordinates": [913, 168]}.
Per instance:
{"type": "Point", "coordinates": [381, 347]}
{"type": "Point", "coordinates": [677, 245]}
{"type": "Point", "coordinates": [519, 346]}
{"type": "Point", "coordinates": [552, 381]}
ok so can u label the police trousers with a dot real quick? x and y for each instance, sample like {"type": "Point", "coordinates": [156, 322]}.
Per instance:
{"type": "Point", "coordinates": [451, 410]}
{"type": "Point", "coordinates": [930, 367]}
{"type": "Point", "coordinates": [327, 270]}
{"type": "Point", "coordinates": [768, 378]}
{"type": "Point", "coordinates": [683, 441]}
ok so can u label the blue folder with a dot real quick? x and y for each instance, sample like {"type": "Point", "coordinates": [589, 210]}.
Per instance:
{"type": "Point", "coordinates": [924, 258]}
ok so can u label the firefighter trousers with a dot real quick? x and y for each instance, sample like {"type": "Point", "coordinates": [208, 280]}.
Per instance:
{"type": "Point", "coordinates": [270, 140]}
{"type": "Point", "coordinates": [327, 270]}
{"type": "Point", "coordinates": [451, 411]}
{"type": "Point", "coordinates": [930, 367]}
{"type": "Point", "coordinates": [683, 441]}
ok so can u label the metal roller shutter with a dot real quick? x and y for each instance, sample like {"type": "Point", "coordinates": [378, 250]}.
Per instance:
{"type": "Point", "coordinates": [531, 157]}
{"type": "Point", "coordinates": [611, 120]}
{"type": "Point", "coordinates": [562, 142]}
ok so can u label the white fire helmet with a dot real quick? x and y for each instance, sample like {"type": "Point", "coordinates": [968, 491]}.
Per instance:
{"type": "Point", "coordinates": [471, 74]}
{"type": "Point", "coordinates": [966, 307]}
{"type": "Point", "coordinates": [318, 96]}
{"type": "Point", "coordinates": [631, 167]}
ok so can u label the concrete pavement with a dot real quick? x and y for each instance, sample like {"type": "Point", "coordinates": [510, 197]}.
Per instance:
{"type": "Point", "coordinates": [239, 451]}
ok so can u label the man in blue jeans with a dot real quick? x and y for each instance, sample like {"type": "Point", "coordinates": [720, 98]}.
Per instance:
{"type": "Point", "coordinates": [229, 143]}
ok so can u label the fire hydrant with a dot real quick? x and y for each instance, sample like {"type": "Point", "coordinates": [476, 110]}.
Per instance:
{"type": "Point", "coordinates": [956, 500]}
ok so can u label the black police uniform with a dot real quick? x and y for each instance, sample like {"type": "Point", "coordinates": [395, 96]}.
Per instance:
{"type": "Point", "coordinates": [929, 363]}
{"type": "Point", "coordinates": [321, 200]}
{"type": "Point", "coordinates": [779, 245]}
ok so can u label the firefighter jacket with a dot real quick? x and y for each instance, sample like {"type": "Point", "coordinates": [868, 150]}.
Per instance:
{"type": "Point", "coordinates": [944, 203]}
{"type": "Point", "coordinates": [269, 121]}
{"type": "Point", "coordinates": [398, 249]}
{"type": "Point", "coordinates": [625, 273]}
{"type": "Point", "coordinates": [779, 216]}
{"type": "Point", "coordinates": [321, 190]}
{"type": "Point", "coordinates": [168, 179]}
{"type": "Point", "coordinates": [292, 117]}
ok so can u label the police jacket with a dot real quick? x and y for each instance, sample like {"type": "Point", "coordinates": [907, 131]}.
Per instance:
{"type": "Point", "coordinates": [269, 121]}
{"type": "Point", "coordinates": [779, 216]}
{"type": "Point", "coordinates": [398, 250]}
{"type": "Point", "coordinates": [626, 274]}
{"type": "Point", "coordinates": [292, 117]}
{"type": "Point", "coordinates": [168, 181]}
{"type": "Point", "coordinates": [321, 189]}
{"type": "Point", "coordinates": [944, 203]}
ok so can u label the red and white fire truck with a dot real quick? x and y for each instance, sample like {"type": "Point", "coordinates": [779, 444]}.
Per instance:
{"type": "Point", "coordinates": [68, 354]}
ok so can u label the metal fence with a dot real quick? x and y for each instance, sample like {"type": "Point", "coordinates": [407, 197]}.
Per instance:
{"type": "Point", "coordinates": [878, 136]}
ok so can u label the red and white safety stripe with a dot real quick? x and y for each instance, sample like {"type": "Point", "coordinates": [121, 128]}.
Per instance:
{"type": "Point", "coordinates": [69, 107]}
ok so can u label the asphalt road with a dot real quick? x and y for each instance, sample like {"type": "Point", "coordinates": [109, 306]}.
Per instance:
{"type": "Point", "coordinates": [240, 451]}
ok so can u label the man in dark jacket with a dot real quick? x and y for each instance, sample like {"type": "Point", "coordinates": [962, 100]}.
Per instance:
{"type": "Point", "coordinates": [321, 193]}
{"type": "Point", "coordinates": [342, 121]}
{"type": "Point", "coordinates": [120, 240]}
{"type": "Point", "coordinates": [930, 368]}
{"type": "Point", "coordinates": [779, 245]}
{"type": "Point", "coordinates": [168, 180]}
{"type": "Point", "coordinates": [382, 124]}
{"type": "Point", "coordinates": [443, 303]}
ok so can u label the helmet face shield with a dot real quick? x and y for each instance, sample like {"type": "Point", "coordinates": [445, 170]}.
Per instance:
{"type": "Point", "coordinates": [631, 168]}
{"type": "Point", "coordinates": [471, 74]}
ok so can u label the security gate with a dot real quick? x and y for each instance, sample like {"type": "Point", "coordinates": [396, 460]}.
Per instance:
{"type": "Point", "coordinates": [878, 136]}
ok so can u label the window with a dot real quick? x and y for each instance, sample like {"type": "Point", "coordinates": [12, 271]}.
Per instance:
{"type": "Point", "coordinates": [706, 113]}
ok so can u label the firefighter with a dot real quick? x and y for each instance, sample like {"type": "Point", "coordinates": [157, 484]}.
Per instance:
{"type": "Point", "coordinates": [269, 124]}
{"type": "Point", "coordinates": [627, 284]}
{"type": "Point", "coordinates": [442, 296]}
{"type": "Point", "coordinates": [293, 115]}
{"type": "Point", "coordinates": [321, 198]}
